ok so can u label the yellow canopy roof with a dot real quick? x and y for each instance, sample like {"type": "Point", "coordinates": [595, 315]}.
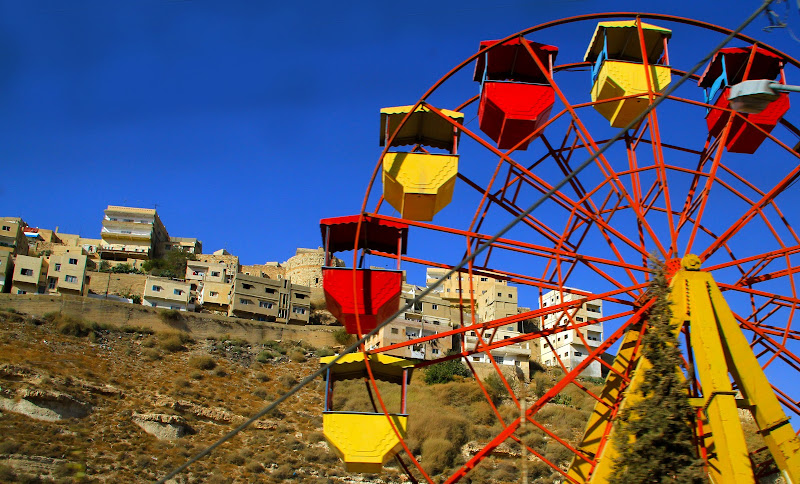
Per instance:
{"type": "Point", "coordinates": [384, 367]}
{"type": "Point", "coordinates": [424, 127]}
{"type": "Point", "coordinates": [623, 41]}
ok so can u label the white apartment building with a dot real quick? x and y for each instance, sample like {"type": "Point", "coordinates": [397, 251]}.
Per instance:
{"type": "Point", "coordinates": [568, 344]}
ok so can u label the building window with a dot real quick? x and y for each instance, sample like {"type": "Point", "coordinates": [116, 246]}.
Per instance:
{"type": "Point", "coordinates": [484, 279]}
{"type": "Point", "coordinates": [300, 296]}
{"type": "Point", "coordinates": [499, 360]}
{"type": "Point", "coordinates": [434, 306]}
{"type": "Point", "coordinates": [265, 304]}
{"type": "Point", "coordinates": [73, 262]}
{"type": "Point", "coordinates": [299, 310]}
{"type": "Point", "coordinates": [214, 273]}
{"type": "Point", "coordinates": [578, 318]}
{"type": "Point", "coordinates": [316, 280]}
{"type": "Point", "coordinates": [592, 308]}
{"type": "Point", "coordinates": [70, 279]}
{"type": "Point", "coordinates": [6, 228]}
{"type": "Point", "coordinates": [213, 294]}
{"type": "Point", "coordinates": [269, 291]}
{"type": "Point", "coordinates": [57, 268]}
{"type": "Point", "coordinates": [51, 283]}
{"type": "Point", "coordinates": [175, 308]}
{"type": "Point", "coordinates": [245, 301]}
{"type": "Point", "coordinates": [476, 358]}
{"type": "Point", "coordinates": [20, 291]}
{"type": "Point", "coordinates": [510, 295]}
{"type": "Point", "coordinates": [394, 331]}
{"type": "Point", "coordinates": [177, 292]}
{"type": "Point", "coordinates": [247, 286]}
{"type": "Point", "coordinates": [435, 351]}
{"type": "Point", "coordinates": [26, 272]}
{"type": "Point", "coordinates": [157, 288]}
{"type": "Point", "coordinates": [500, 294]}
{"type": "Point", "coordinates": [578, 353]}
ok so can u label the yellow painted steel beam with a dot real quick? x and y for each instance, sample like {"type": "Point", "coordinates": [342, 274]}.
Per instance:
{"type": "Point", "coordinates": [691, 303]}
{"type": "Point", "coordinates": [580, 469]}
{"type": "Point", "coordinates": [767, 412]}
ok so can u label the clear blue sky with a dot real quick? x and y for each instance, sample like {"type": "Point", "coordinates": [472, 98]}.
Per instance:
{"type": "Point", "coordinates": [244, 122]}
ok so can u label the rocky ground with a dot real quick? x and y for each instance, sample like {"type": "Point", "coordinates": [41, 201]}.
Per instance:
{"type": "Point", "coordinates": [114, 406]}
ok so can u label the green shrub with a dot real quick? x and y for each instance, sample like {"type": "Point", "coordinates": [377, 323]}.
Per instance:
{"type": "Point", "coordinates": [172, 342]}
{"type": "Point", "coordinates": [202, 362]}
{"type": "Point", "coordinates": [170, 315]}
{"type": "Point", "coordinates": [326, 351]}
{"type": "Point", "coordinates": [265, 356]}
{"type": "Point", "coordinates": [71, 325]}
{"type": "Point", "coordinates": [151, 354]}
{"type": "Point", "coordinates": [343, 337]}
{"type": "Point", "coordinates": [297, 355]}
{"type": "Point", "coordinates": [438, 454]}
{"type": "Point", "coordinates": [497, 390]}
{"type": "Point", "coordinates": [562, 399]}
{"type": "Point", "coordinates": [445, 371]}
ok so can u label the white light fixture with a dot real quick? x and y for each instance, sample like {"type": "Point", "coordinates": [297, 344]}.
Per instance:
{"type": "Point", "coordinates": [754, 96]}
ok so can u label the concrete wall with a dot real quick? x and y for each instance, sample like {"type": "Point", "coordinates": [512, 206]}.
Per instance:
{"type": "Point", "coordinates": [198, 325]}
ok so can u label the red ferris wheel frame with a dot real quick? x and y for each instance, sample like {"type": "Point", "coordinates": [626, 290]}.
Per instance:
{"type": "Point", "coordinates": [563, 255]}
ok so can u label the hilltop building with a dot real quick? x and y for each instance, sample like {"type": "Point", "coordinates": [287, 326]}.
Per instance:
{"type": "Point", "coordinates": [568, 344]}
{"type": "Point", "coordinates": [6, 269]}
{"type": "Point", "coordinates": [453, 292]}
{"type": "Point", "coordinates": [29, 275]}
{"type": "Point", "coordinates": [161, 292]}
{"type": "Point", "coordinates": [12, 236]}
{"type": "Point", "coordinates": [132, 234]}
{"type": "Point", "coordinates": [265, 299]}
{"type": "Point", "coordinates": [66, 273]}
{"type": "Point", "coordinates": [430, 316]}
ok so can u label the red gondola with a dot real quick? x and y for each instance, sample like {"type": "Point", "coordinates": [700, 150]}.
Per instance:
{"type": "Point", "coordinates": [516, 98]}
{"type": "Point", "coordinates": [376, 294]}
{"type": "Point", "coordinates": [731, 66]}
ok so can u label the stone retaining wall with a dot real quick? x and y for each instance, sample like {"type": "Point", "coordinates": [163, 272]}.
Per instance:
{"type": "Point", "coordinates": [198, 325]}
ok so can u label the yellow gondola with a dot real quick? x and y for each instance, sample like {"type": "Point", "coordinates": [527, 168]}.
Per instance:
{"type": "Point", "coordinates": [365, 441]}
{"type": "Point", "coordinates": [619, 70]}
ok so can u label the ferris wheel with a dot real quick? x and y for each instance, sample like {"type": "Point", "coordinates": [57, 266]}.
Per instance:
{"type": "Point", "coordinates": [706, 189]}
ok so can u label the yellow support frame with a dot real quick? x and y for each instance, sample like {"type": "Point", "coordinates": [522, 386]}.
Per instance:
{"type": "Point", "coordinates": [719, 349]}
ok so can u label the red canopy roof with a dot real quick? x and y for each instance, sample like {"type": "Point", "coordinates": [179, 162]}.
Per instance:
{"type": "Point", "coordinates": [376, 234]}
{"type": "Point", "coordinates": [766, 65]}
{"type": "Point", "coordinates": [511, 61]}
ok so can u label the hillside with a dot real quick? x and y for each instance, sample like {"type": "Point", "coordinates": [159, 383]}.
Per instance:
{"type": "Point", "coordinates": [93, 391]}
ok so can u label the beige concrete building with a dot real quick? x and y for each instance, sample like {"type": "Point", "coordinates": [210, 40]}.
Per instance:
{"type": "Point", "coordinates": [29, 276]}
{"type": "Point", "coordinates": [66, 273]}
{"type": "Point", "coordinates": [430, 316]}
{"type": "Point", "coordinates": [516, 355]}
{"type": "Point", "coordinates": [206, 271]}
{"type": "Point", "coordinates": [450, 289]}
{"type": "Point", "coordinates": [496, 302]}
{"type": "Point", "coordinates": [198, 274]}
{"type": "Point", "coordinates": [222, 256]}
{"type": "Point", "coordinates": [6, 270]}
{"type": "Point", "coordinates": [215, 296]}
{"type": "Point", "coordinates": [131, 234]}
{"type": "Point", "coordinates": [568, 344]}
{"type": "Point", "coordinates": [265, 299]}
{"type": "Point", "coordinates": [186, 244]}
{"type": "Point", "coordinates": [12, 237]}
{"type": "Point", "coordinates": [270, 270]}
{"type": "Point", "coordinates": [160, 292]}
